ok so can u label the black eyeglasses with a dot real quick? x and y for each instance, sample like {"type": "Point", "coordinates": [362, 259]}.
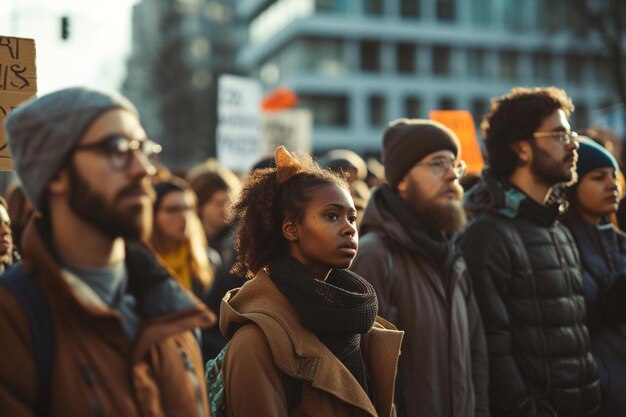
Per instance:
{"type": "Point", "coordinates": [119, 150]}
{"type": "Point", "coordinates": [564, 137]}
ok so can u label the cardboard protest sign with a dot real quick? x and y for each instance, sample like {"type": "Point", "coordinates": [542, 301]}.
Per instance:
{"type": "Point", "coordinates": [18, 83]}
{"type": "Point", "coordinates": [462, 123]}
{"type": "Point", "coordinates": [291, 128]}
{"type": "Point", "coordinates": [238, 128]}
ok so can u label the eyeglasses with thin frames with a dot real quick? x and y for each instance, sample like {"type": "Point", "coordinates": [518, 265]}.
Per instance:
{"type": "Point", "coordinates": [119, 150]}
{"type": "Point", "coordinates": [440, 166]}
{"type": "Point", "coordinates": [564, 137]}
{"type": "Point", "coordinates": [177, 209]}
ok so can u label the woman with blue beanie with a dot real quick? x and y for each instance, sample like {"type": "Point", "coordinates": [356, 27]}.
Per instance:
{"type": "Point", "coordinates": [602, 250]}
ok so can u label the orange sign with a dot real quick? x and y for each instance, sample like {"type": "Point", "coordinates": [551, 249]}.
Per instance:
{"type": "Point", "coordinates": [281, 98]}
{"type": "Point", "coordinates": [462, 123]}
{"type": "Point", "coordinates": [18, 83]}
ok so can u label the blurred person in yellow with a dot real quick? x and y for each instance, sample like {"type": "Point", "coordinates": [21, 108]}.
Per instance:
{"type": "Point", "coordinates": [179, 239]}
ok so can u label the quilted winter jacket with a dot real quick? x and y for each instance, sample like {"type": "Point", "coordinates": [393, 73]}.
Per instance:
{"type": "Point", "coordinates": [97, 371]}
{"type": "Point", "coordinates": [443, 367]}
{"type": "Point", "coordinates": [528, 284]}
{"type": "Point", "coordinates": [278, 343]}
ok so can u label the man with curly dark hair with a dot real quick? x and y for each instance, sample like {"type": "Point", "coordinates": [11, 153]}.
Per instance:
{"type": "Point", "coordinates": [524, 264]}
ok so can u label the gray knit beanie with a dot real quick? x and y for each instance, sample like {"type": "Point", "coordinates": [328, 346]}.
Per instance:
{"type": "Point", "coordinates": [43, 132]}
{"type": "Point", "coordinates": [408, 141]}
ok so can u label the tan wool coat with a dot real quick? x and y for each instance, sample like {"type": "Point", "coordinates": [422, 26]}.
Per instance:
{"type": "Point", "coordinates": [97, 370]}
{"type": "Point", "coordinates": [277, 344]}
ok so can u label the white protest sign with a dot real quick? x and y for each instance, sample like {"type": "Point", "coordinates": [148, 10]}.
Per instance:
{"type": "Point", "coordinates": [239, 128]}
{"type": "Point", "coordinates": [291, 128]}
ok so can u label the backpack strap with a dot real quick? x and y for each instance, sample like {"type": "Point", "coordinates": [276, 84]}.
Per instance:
{"type": "Point", "coordinates": [28, 293]}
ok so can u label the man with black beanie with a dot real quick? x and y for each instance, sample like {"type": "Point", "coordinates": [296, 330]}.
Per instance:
{"type": "Point", "coordinates": [407, 251]}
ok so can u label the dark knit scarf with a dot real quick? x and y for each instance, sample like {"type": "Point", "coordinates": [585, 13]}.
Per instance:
{"type": "Point", "coordinates": [432, 243]}
{"type": "Point", "coordinates": [337, 310]}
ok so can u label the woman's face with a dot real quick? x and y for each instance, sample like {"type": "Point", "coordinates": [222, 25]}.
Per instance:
{"type": "Point", "coordinates": [598, 194]}
{"type": "Point", "coordinates": [172, 218]}
{"type": "Point", "coordinates": [214, 213]}
{"type": "Point", "coordinates": [326, 236]}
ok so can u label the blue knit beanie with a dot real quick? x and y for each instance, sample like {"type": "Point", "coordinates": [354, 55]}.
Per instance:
{"type": "Point", "coordinates": [592, 155]}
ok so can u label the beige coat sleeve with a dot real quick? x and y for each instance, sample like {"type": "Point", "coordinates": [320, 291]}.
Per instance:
{"type": "Point", "coordinates": [252, 380]}
{"type": "Point", "coordinates": [17, 368]}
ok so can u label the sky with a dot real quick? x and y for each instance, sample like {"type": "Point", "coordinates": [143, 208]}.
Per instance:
{"type": "Point", "coordinates": [95, 53]}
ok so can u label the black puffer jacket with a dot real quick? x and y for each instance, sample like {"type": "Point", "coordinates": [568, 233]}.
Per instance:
{"type": "Point", "coordinates": [528, 284]}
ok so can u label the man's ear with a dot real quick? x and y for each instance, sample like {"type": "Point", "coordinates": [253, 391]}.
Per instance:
{"type": "Point", "coordinates": [523, 150]}
{"type": "Point", "coordinates": [60, 183]}
{"type": "Point", "coordinates": [290, 231]}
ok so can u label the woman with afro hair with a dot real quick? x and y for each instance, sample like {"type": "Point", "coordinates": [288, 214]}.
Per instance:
{"type": "Point", "coordinates": [304, 335]}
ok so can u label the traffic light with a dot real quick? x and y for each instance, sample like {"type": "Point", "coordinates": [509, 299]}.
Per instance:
{"type": "Point", "coordinates": [65, 27]}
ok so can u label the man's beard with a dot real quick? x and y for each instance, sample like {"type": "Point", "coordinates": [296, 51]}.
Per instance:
{"type": "Point", "coordinates": [551, 172]}
{"type": "Point", "coordinates": [447, 218]}
{"type": "Point", "coordinates": [133, 223]}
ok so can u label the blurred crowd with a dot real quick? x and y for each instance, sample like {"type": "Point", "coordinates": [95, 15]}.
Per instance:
{"type": "Point", "coordinates": [503, 289]}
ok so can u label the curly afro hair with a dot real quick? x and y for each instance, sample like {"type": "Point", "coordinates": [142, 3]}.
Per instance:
{"type": "Point", "coordinates": [264, 203]}
{"type": "Point", "coordinates": [516, 116]}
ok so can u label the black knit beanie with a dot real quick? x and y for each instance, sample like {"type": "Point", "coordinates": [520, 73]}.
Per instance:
{"type": "Point", "coordinates": [408, 141]}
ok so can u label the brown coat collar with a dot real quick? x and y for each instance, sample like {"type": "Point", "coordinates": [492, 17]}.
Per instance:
{"type": "Point", "coordinates": [299, 353]}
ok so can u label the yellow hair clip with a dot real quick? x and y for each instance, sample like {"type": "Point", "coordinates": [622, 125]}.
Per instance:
{"type": "Point", "coordinates": [286, 165]}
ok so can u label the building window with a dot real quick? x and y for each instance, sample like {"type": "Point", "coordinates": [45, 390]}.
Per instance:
{"type": "Point", "coordinates": [377, 110]}
{"type": "Point", "coordinates": [514, 14]}
{"type": "Point", "coordinates": [331, 6]}
{"type": "Point", "coordinates": [542, 66]}
{"type": "Point", "coordinates": [276, 17]}
{"type": "Point", "coordinates": [218, 12]}
{"type": "Point", "coordinates": [405, 58]}
{"type": "Point", "coordinates": [374, 7]}
{"type": "Point", "coordinates": [410, 8]}
{"type": "Point", "coordinates": [576, 23]}
{"type": "Point", "coordinates": [548, 16]}
{"type": "Point", "coordinates": [328, 110]}
{"type": "Point", "coordinates": [580, 116]}
{"type": "Point", "coordinates": [476, 63]}
{"type": "Point", "coordinates": [479, 109]}
{"type": "Point", "coordinates": [508, 65]}
{"type": "Point", "coordinates": [480, 12]}
{"type": "Point", "coordinates": [446, 103]}
{"type": "Point", "coordinates": [601, 71]}
{"type": "Point", "coordinates": [412, 107]}
{"type": "Point", "coordinates": [574, 69]}
{"type": "Point", "coordinates": [324, 56]}
{"type": "Point", "coordinates": [442, 57]}
{"type": "Point", "coordinates": [370, 56]}
{"type": "Point", "coordinates": [446, 10]}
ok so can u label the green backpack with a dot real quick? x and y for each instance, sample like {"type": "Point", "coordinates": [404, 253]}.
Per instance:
{"type": "Point", "coordinates": [215, 384]}
{"type": "Point", "coordinates": [217, 395]}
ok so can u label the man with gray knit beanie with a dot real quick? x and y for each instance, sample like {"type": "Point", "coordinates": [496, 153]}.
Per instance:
{"type": "Point", "coordinates": [91, 323]}
{"type": "Point", "coordinates": [407, 251]}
